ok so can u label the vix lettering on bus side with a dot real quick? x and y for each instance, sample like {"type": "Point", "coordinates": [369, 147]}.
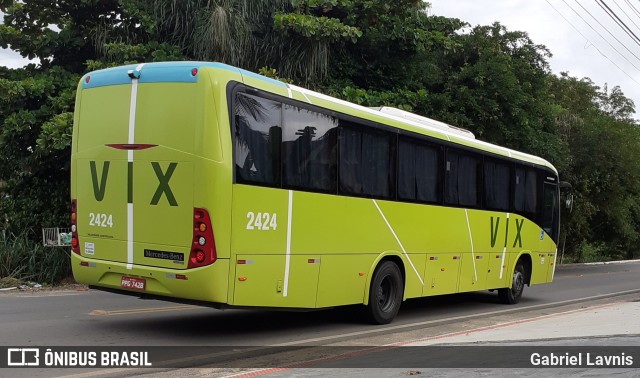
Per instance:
{"type": "Point", "coordinates": [163, 189]}
{"type": "Point", "coordinates": [495, 226]}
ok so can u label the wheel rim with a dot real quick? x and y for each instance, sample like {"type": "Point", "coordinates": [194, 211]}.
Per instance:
{"type": "Point", "coordinates": [385, 294]}
{"type": "Point", "coordinates": [518, 283]}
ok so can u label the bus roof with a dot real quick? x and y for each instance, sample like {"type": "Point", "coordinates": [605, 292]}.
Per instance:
{"type": "Point", "coordinates": [182, 72]}
{"type": "Point", "coordinates": [453, 135]}
{"type": "Point", "coordinates": [162, 72]}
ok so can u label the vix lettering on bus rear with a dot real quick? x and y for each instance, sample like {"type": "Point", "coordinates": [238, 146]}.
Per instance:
{"type": "Point", "coordinates": [163, 189]}
{"type": "Point", "coordinates": [495, 227]}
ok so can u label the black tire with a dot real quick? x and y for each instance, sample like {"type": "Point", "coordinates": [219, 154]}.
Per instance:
{"type": "Point", "coordinates": [512, 295]}
{"type": "Point", "coordinates": [385, 293]}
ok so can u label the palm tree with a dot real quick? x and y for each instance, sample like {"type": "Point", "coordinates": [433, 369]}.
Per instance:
{"type": "Point", "coordinates": [241, 33]}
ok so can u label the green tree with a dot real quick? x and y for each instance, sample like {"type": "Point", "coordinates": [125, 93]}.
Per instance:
{"type": "Point", "coordinates": [293, 37]}
{"type": "Point", "coordinates": [603, 147]}
{"type": "Point", "coordinates": [614, 104]}
{"type": "Point", "coordinates": [490, 80]}
{"type": "Point", "coordinates": [36, 102]}
{"type": "Point", "coordinates": [394, 51]}
{"type": "Point", "coordinates": [496, 87]}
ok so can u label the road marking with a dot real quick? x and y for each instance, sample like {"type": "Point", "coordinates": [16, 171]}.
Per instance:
{"type": "Point", "coordinates": [101, 372]}
{"type": "Point", "coordinates": [26, 295]}
{"type": "Point", "coordinates": [98, 312]}
{"type": "Point", "coordinates": [588, 275]}
{"type": "Point", "coordinates": [610, 262]}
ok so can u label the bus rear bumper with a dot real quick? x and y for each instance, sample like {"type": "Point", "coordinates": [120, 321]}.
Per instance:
{"type": "Point", "coordinates": [207, 284]}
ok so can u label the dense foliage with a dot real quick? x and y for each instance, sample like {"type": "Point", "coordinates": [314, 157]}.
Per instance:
{"type": "Point", "coordinates": [490, 80]}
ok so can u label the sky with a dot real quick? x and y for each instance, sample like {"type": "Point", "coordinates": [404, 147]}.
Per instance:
{"type": "Point", "coordinates": [9, 58]}
{"type": "Point", "coordinates": [584, 43]}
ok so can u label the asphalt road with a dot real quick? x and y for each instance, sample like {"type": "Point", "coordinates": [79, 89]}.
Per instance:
{"type": "Point", "coordinates": [95, 318]}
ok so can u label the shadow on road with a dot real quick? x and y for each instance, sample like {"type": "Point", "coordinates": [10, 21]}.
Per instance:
{"type": "Point", "coordinates": [247, 327]}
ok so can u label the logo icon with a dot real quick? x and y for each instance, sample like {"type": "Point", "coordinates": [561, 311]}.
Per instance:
{"type": "Point", "coordinates": [23, 357]}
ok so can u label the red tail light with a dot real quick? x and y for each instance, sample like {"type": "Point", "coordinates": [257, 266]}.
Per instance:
{"type": "Point", "coordinates": [75, 244]}
{"type": "Point", "coordinates": [203, 246]}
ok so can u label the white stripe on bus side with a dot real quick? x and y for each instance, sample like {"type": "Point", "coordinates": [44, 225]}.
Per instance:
{"type": "Point", "coordinates": [504, 251]}
{"type": "Point", "coordinates": [398, 240]}
{"type": "Point", "coordinates": [555, 259]}
{"type": "Point", "coordinates": [287, 256]}
{"type": "Point", "coordinates": [473, 255]}
{"type": "Point", "coordinates": [129, 236]}
{"type": "Point", "coordinates": [307, 98]}
{"type": "Point", "coordinates": [130, 140]}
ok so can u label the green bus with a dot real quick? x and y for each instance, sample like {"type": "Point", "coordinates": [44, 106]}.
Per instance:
{"type": "Point", "coordinates": [204, 183]}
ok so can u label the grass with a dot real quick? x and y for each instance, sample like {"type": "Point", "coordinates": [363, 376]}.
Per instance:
{"type": "Point", "coordinates": [9, 282]}
{"type": "Point", "coordinates": [24, 259]}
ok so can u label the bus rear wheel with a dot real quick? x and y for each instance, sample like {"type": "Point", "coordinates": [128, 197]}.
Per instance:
{"type": "Point", "coordinates": [385, 293]}
{"type": "Point", "coordinates": [512, 295]}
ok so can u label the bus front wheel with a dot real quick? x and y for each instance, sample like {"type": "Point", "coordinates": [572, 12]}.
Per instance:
{"type": "Point", "coordinates": [512, 295]}
{"type": "Point", "coordinates": [385, 293]}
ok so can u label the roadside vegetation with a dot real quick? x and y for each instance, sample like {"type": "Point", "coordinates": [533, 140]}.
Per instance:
{"type": "Point", "coordinates": [22, 261]}
{"type": "Point", "coordinates": [495, 82]}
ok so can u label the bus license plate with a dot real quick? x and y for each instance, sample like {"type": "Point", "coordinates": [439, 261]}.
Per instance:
{"type": "Point", "coordinates": [132, 283]}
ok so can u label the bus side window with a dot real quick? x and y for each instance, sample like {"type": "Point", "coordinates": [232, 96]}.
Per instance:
{"type": "Point", "coordinates": [497, 185]}
{"type": "Point", "coordinates": [461, 179]}
{"type": "Point", "coordinates": [418, 171]}
{"type": "Point", "coordinates": [549, 223]}
{"type": "Point", "coordinates": [309, 147]}
{"type": "Point", "coordinates": [526, 192]}
{"type": "Point", "coordinates": [258, 135]}
{"type": "Point", "coordinates": [367, 162]}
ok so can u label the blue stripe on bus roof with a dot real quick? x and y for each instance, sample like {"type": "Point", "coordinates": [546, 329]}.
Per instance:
{"type": "Point", "coordinates": [161, 72]}
{"type": "Point", "coordinates": [109, 76]}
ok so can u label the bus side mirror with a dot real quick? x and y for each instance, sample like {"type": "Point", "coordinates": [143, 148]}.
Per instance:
{"type": "Point", "coordinates": [569, 202]}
